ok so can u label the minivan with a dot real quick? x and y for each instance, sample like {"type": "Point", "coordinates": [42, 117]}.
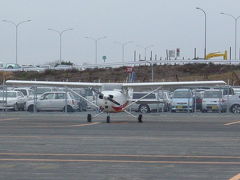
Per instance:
{"type": "Point", "coordinates": [182, 100]}
{"type": "Point", "coordinates": [158, 101]}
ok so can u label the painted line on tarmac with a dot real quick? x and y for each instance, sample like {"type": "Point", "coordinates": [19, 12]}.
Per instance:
{"type": "Point", "coordinates": [232, 123]}
{"type": "Point", "coordinates": [60, 126]}
{"type": "Point", "coordinates": [88, 124]}
{"type": "Point", "coordinates": [9, 119]}
{"type": "Point", "coordinates": [237, 177]}
{"type": "Point", "coordinates": [122, 155]}
{"type": "Point", "coordinates": [122, 161]}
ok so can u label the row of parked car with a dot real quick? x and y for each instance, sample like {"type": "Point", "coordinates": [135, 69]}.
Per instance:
{"type": "Point", "coordinates": [189, 100]}
{"type": "Point", "coordinates": [47, 99]}
{"type": "Point", "coordinates": [184, 100]}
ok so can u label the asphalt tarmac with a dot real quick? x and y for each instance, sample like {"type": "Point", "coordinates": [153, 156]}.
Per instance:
{"type": "Point", "coordinates": [166, 146]}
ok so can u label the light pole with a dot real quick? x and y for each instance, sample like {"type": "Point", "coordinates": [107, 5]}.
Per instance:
{"type": "Point", "coordinates": [205, 43]}
{"type": "Point", "coordinates": [151, 64]}
{"type": "Point", "coordinates": [60, 33]}
{"type": "Point", "coordinates": [236, 19]}
{"type": "Point", "coordinates": [123, 44]}
{"type": "Point", "coordinates": [16, 26]}
{"type": "Point", "coordinates": [96, 45]}
{"type": "Point", "coordinates": [145, 50]}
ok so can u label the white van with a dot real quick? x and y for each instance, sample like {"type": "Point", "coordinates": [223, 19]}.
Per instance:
{"type": "Point", "coordinates": [27, 92]}
{"type": "Point", "coordinates": [213, 100]}
{"type": "Point", "coordinates": [152, 102]}
{"type": "Point", "coordinates": [182, 100]}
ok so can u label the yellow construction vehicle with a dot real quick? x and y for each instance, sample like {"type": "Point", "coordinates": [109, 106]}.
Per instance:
{"type": "Point", "coordinates": [217, 54]}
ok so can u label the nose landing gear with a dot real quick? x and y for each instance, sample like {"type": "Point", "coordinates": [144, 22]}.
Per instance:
{"type": "Point", "coordinates": [108, 119]}
{"type": "Point", "coordinates": [89, 118]}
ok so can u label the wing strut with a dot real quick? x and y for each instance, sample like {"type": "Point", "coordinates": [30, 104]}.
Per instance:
{"type": "Point", "coordinates": [141, 98]}
{"type": "Point", "coordinates": [84, 98]}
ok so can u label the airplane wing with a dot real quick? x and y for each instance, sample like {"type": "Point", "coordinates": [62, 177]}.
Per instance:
{"type": "Point", "coordinates": [54, 83]}
{"type": "Point", "coordinates": [173, 84]}
{"type": "Point", "coordinates": [144, 85]}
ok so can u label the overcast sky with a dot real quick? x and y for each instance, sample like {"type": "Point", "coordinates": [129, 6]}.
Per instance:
{"type": "Point", "coordinates": [167, 24]}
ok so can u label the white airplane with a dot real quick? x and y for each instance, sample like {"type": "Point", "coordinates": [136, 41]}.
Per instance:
{"type": "Point", "coordinates": [114, 97]}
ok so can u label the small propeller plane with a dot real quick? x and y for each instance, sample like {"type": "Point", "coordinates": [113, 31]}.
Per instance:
{"type": "Point", "coordinates": [114, 97]}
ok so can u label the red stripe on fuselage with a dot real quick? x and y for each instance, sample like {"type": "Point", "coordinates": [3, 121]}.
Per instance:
{"type": "Point", "coordinates": [120, 108]}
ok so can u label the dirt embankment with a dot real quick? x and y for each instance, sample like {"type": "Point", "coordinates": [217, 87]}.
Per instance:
{"type": "Point", "coordinates": [228, 73]}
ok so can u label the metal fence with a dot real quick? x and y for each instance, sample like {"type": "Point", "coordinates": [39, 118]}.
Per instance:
{"type": "Point", "coordinates": [70, 100]}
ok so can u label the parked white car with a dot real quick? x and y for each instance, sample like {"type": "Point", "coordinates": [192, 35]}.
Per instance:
{"type": "Point", "coordinates": [236, 90]}
{"type": "Point", "coordinates": [12, 100]}
{"type": "Point", "coordinates": [27, 92]}
{"type": "Point", "coordinates": [41, 90]}
{"type": "Point", "coordinates": [63, 67]}
{"type": "Point", "coordinates": [182, 100]}
{"type": "Point", "coordinates": [152, 102]}
{"type": "Point", "coordinates": [213, 100]}
{"type": "Point", "coordinates": [53, 101]}
{"type": "Point", "coordinates": [233, 103]}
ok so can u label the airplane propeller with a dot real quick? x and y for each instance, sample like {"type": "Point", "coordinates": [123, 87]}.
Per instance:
{"type": "Point", "coordinates": [110, 97]}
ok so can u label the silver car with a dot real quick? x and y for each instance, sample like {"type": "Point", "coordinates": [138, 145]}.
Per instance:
{"type": "Point", "coordinates": [182, 100]}
{"type": "Point", "coordinates": [27, 92]}
{"type": "Point", "coordinates": [53, 101]}
{"type": "Point", "coordinates": [213, 100]}
{"type": "Point", "coordinates": [12, 100]}
{"type": "Point", "coordinates": [158, 101]}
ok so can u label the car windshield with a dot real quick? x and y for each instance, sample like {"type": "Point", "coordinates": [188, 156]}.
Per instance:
{"type": "Point", "coordinates": [182, 94]}
{"type": "Point", "coordinates": [9, 94]}
{"type": "Point", "coordinates": [212, 94]}
{"type": "Point", "coordinates": [23, 91]}
{"type": "Point", "coordinates": [226, 90]}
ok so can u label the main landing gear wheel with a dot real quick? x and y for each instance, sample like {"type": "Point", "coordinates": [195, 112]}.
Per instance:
{"type": "Point", "coordinates": [140, 118]}
{"type": "Point", "coordinates": [108, 119]}
{"type": "Point", "coordinates": [89, 118]}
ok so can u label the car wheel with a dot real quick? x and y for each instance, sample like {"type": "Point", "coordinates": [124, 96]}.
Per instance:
{"type": "Point", "coordinates": [69, 109]}
{"type": "Point", "coordinates": [31, 108]}
{"type": "Point", "coordinates": [235, 108]}
{"type": "Point", "coordinates": [16, 107]}
{"type": "Point", "coordinates": [144, 108]}
{"type": "Point", "coordinates": [10, 67]}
